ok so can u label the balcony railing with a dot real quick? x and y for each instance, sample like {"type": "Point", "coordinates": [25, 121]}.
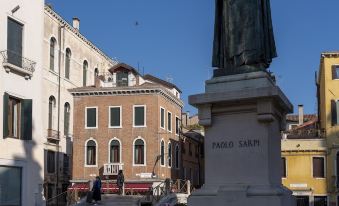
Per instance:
{"type": "Point", "coordinates": [52, 136]}
{"type": "Point", "coordinates": [112, 168]}
{"type": "Point", "coordinates": [18, 63]}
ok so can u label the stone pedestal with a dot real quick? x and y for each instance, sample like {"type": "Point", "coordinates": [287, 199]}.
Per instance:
{"type": "Point", "coordinates": [243, 115]}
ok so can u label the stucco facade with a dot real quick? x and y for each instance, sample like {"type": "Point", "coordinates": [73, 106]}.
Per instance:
{"type": "Point", "coordinates": [328, 92]}
{"type": "Point", "coordinates": [18, 81]}
{"type": "Point", "coordinates": [62, 70]}
{"type": "Point", "coordinates": [298, 154]}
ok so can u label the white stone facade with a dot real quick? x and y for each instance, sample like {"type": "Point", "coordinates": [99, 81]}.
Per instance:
{"type": "Point", "coordinates": [68, 39]}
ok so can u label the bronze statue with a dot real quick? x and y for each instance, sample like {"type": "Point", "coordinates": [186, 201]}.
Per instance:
{"type": "Point", "coordinates": [243, 37]}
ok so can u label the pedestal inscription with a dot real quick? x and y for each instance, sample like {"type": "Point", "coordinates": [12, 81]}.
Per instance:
{"type": "Point", "coordinates": [243, 143]}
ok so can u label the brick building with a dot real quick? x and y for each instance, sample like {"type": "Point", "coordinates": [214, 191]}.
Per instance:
{"type": "Point", "coordinates": [193, 164]}
{"type": "Point", "coordinates": [126, 121]}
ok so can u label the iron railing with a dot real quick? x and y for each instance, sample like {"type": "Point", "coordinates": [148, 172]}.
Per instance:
{"type": "Point", "coordinates": [112, 168]}
{"type": "Point", "coordinates": [18, 60]}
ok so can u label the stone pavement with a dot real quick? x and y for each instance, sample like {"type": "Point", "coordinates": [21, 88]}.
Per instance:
{"type": "Point", "coordinates": [117, 200]}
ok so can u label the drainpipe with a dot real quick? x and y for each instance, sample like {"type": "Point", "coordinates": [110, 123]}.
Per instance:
{"type": "Point", "coordinates": [58, 142]}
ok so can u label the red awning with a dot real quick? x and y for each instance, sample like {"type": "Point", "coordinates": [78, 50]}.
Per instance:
{"type": "Point", "coordinates": [113, 188]}
{"type": "Point", "coordinates": [79, 186]}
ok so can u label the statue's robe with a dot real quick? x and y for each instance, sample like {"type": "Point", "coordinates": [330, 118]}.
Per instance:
{"type": "Point", "coordinates": [243, 34]}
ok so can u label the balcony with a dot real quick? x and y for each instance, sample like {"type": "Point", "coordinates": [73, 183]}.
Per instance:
{"type": "Point", "coordinates": [52, 136]}
{"type": "Point", "coordinates": [15, 62]}
{"type": "Point", "coordinates": [112, 168]}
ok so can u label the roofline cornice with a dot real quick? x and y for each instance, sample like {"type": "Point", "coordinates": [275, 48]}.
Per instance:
{"type": "Point", "coordinates": [77, 32]}
{"type": "Point", "coordinates": [127, 92]}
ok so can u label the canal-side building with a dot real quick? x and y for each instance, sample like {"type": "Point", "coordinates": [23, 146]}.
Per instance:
{"type": "Point", "coordinates": [328, 108]}
{"type": "Point", "coordinates": [69, 60]}
{"type": "Point", "coordinates": [21, 143]}
{"type": "Point", "coordinates": [304, 161]}
{"type": "Point", "coordinates": [126, 121]}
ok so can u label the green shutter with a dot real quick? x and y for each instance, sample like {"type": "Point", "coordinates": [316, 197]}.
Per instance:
{"type": "Point", "coordinates": [66, 123]}
{"type": "Point", "coordinates": [115, 117]}
{"type": "Point", "coordinates": [333, 112]}
{"type": "Point", "coordinates": [5, 116]}
{"type": "Point", "coordinates": [26, 119]}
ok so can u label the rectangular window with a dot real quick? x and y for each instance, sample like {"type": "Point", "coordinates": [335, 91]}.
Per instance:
{"type": "Point", "coordinates": [139, 116]}
{"type": "Point", "coordinates": [91, 117]}
{"type": "Point", "coordinates": [10, 185]}
{"type": "Point", "coordinates": [50, 161]}
{"type": "Point", "coordinates": [115, 117]}
{"type": "Point", "coordinates": [283, 159]}
{"type": "Point", "coordinates": [303, 200]}
{"type": "Point", "coordinates": [122, 78]}
{"type": "Point", "coordinates": [334, 112]}
{"type": "Point", "coordinates": [17, 118]}
{"type": "Point", "coordinates": [320, 201]}
{"type": "Point", "coordinates": [335, 71]}
{"type": "Point", "coordinates": [318, 167]}
{"type": "Point", "coordinates": [14, 42]}
{"type": "Point", "coordinates": [169, 121]}
{"type": "Point", "coordinates": [162, 117]}
{"type": "Point", "coordinates": [66, 164]}
{"type": "Point", "coordinates": [177, 125]}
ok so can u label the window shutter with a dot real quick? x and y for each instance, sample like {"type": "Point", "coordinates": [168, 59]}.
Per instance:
{"type": "Point", "coordinates": [66, 123]}
{"type": "Point", "coordinates": [333, 112]}
{"type": "Point", "coordinates": [334, 75]}
{"type": "Point", "coordinates": [26, 119]}
{"type": "Point", "coordinates": [5, 116]}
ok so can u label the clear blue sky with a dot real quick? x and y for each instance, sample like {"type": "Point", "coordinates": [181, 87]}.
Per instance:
{"type": "Point", "coordinates": [173, 38]}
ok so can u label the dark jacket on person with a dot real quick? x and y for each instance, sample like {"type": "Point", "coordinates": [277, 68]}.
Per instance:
{"type": "Point", "coordinates": [120, 180]}
{"type": "Point", "coordinates": [97, 190]}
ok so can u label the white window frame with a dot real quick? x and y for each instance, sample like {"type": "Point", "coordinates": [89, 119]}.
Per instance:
{"type": "Point", "coordinates": [164, 127]}
{"type": "Point", "coordinates": [322, 156]}
{"type": "Point", "coordinates": [163, 141]}
{"type": "Point", "coordinates": [96, 153]}
{"type": "Point", "coordinates": [109, 150]}
{"type": "Point", "coordinates": [145, 152]}
{"type": "Point", "coordinates": [175, 131]}
{"type": "Point", "coordinates": [145, 118]}
{"type": "Point", "coordinates": [286, 167]}
{"type": "Point", "coordinates": [109, 117]}
{"type": "Point", "coordinates": [168, 112]}
{"type": "Point", "coordinates": [168, 165]}
{"type": "Point", "coordinates": [97, 123]}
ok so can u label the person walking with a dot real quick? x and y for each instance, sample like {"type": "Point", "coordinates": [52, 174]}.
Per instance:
{"type": "Point", "coordinates": [120, 181]}
{"type": "Point", "coordinates": [97, 190]}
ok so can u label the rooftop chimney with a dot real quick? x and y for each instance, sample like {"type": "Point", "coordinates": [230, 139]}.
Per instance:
{"type": "Point", "coordinates": [76, 23]}
{"type": "Point", "coordinates": [301, 114]}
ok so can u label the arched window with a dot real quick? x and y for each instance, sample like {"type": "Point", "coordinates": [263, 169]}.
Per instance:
{"type": "Point", "coordinates": [96, 74]}
{"type": "Point", "coordinates": [91, 150]}
{"type": "Point", "coordinates": [139, 152]}
{"type": "Point", "coordinates": [67, 112]}
{"type": "Point", "coordinates": [169, 155]}
{"type": "Point", "coordinates": [84, 73]}
{"type": "Point", "coordinates": [177, 156]}
{"type": "Point", "coordinates": [51, 112]}
{"type": "Point", "coordinates": [114, 151]}
{"type": "Point", "coordinates": [68, 63]}
{"type": "Point", "coordinates": [162, 153]}
{"type": "Point", "coordinates": [52, 45]}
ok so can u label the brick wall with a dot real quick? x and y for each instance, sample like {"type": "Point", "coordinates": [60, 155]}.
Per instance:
{"type": "Point", "coordinates": [152, 134]}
